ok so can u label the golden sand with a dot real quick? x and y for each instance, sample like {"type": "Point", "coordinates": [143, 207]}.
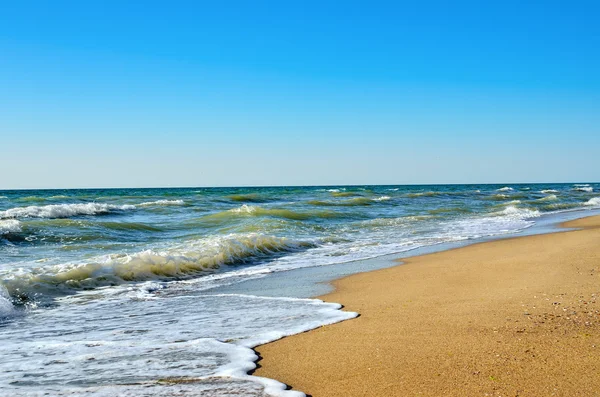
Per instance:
{"type": "Point", "coordinates": [514, 317]}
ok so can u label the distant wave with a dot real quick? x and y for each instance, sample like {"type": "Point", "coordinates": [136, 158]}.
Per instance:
{"type": "Point", "coordinates": [550, 197]}
{"type": "Point", "coordinates": [587, 189]}
{"type": "Point", "coordinates": [62, 210]}
{"type": "Point", "coordinates": [252, 210]}
{"type": "Point", "coordinates": [382, 198]}
{"type": "Point", "coordinates": [249, 198]}
{"type": "Point", "coordinates": [358, 201]}
{"type": "Point", "coordinates": [161, 203]}
{"type": "Point", "coordinates": [549, 191]}
{"type": "Point", "coordinates": [520, 213]}
{"type": "Point", "coordinates": [337, 193]}
{"type": "Point", "coordinates": [505, 189]}
{"type": "Point", "coordinates": [423, 194]}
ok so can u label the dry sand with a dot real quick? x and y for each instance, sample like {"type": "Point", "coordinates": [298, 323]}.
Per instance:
{"type": "Point", "coordinates": [515, 317]}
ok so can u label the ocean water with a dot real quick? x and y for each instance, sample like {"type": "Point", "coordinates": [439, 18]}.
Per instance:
{"type": "Point", "coordinates": [116, 291]}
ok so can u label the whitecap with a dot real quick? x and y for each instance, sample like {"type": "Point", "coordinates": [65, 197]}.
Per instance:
{"type": "Point", "coordinates": [519, 213]}
{"type": "Point", "coordinates": [382, 198]}
{"type": "Point", "coordinates": [593, 201]}
{"type": "Point", "coordinates": [62, 210]}
{"type": "Point", "coordinates": [9, 226]}
{"type": "Point", "coordinates": [505, 189]}
{"type": "Point", "coordinates": [161, 203]}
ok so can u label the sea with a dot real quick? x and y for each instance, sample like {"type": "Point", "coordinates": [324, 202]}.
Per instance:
{"type": "Point", "coordinates": [146, 292]}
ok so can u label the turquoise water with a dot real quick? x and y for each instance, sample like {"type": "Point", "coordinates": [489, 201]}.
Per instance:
{"type": "Point", "coordinates": [76, 265]}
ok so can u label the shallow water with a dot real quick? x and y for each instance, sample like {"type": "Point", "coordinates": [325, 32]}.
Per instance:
{"type": "Point", "coordinates": [106, 292]}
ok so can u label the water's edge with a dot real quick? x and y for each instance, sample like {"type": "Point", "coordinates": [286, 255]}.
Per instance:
{"type": "Point", "coordinates": [322, 279]}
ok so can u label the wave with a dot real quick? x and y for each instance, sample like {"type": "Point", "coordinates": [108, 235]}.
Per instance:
{"type": "Point", "coordinates": [248, 198]}
{"type": "Point", "coordinates": [559, 206]}
{"type": "Point", "coordinates": [593, 201]}
{"type": "Point", "coordinates": [6, 307]}
{"type": "Point", "coordinates": [519, 213]}
{"type": "Point", "coordinates": [505, 189]}
{"type": "Point", "coordinates": [9, 226]}
{"type": "Point", "coordinates": [343, 194]}
{"type": "Point", "coordinates": [31, 198]}
{"type": "Point", "coordinates": [549, 191]}
{"type": "Point", "coordinates": [550, 197]}
{"type": "Point", "coordinates": [251, 210]}
{"type": "Point", "coordinates": [382, 222]}
{"type": "Point", "coordinates": [498, 197]}
{"type": "Point", "coordinates": [587, 189]}
{"type": "Point", "coordinates": [382, 198]}
{"type": "Point", "coordinates": [423, 194]}
{"type": "Point", "coordinates": [183, 260]}
{"type": "Point", "coordinates": [358, 201]}
{"type": "Point", "coordinates": [161, 203]}
{"type": "Point", "coordinates": [3, 197]}
{"type": "Point", "coordinates": [62, 210]}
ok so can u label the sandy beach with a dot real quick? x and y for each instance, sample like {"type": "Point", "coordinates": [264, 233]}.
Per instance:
{"type": "Point", "coordinates": [514, 317]}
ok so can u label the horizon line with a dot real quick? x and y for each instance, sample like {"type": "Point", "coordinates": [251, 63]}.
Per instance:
{"type": "Point", "coordinates": [297, 186]}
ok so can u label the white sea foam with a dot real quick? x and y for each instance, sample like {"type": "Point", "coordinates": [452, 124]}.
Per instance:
{"type": "Point", "coordinates": [546, 191]}
{"type": "Point", "coordinates": [382, 198]}
{"type": "Point", "coordinates": [505, 189]}
{"type": "Point", "coordinates": [153, 347]}
{"type": "Point", "coordinates": [3, 197]}
{"type": "Point", "coordinates": [9, 226]}
{"type": "Point", "coordinates": [6, 307]}
{"type": "Point", "coordinates": [587, 189]}
{"type": "Point", "coordinates": [519, 213]}
{"type": "Point", "coordinates": [593, 201]}
{"type": "Point", "coordinates": [62, 210]}
{"type": "Point", "coordinates": [161, 203]}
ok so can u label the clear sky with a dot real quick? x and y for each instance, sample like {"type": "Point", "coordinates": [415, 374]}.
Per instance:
{"type": "Point", "coordinates": [221, 93]}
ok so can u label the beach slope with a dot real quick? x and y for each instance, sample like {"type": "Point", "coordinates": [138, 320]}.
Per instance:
{"type": "Point", "coordinates": [514, 317]}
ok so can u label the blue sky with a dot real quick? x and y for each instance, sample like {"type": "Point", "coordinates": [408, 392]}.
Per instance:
{"type": "Point", "coordinates": [191, 93]}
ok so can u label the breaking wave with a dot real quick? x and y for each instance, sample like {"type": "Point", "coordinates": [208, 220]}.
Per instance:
{"type": "Point", "coordinates": [6, 307]}
{"type": "Point", "coordinates": [587, 189]}
{"type": "Point", "coordinates": [161, 203]}
{"type": "Point", "coordinates": [505, 189]}
{"type": "Point", "coordinates": [593, 201]}
{"type": "Point", "coordinates": [9, 226]}
{"type": "Point", "coordinates": [549, 191]}
{"type": "Point", "coordinates": [181, 261]}
{"type": "Point", "coordinates": [520, 213]}
{"type": "Point", "coordinates": [62, 210]}
{"type": "Point", "coordinates": [550, 197]}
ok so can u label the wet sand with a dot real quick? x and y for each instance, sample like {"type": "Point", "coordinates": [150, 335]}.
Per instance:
{"type": "Point", "coordinates": [514, 317]}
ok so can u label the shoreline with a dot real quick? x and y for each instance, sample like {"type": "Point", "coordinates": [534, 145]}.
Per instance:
{"type": "Point", "coordinates": [484, 319]}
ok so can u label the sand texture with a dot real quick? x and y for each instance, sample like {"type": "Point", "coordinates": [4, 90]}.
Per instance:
{"type": "Point", "coordinates": [514, 317]}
